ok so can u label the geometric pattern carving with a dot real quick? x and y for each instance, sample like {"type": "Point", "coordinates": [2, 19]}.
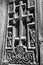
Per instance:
{"type": "Point", "coordinates": [20, 56]}
{"type": "Point", "coordinates": [21, 33]}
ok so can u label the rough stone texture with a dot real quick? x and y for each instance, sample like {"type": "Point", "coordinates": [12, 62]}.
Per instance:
{"type": "Point", "coordinates": [2, 25]}
{"type": "Point", "coordinates": [41, 31]}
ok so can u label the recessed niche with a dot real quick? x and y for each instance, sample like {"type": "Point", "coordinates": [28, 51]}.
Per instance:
{"type": "Point", "coordinates": [11, 6]}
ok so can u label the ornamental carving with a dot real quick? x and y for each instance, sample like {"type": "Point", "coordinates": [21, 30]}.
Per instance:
{"type": "Point", "coordinates": [19, 56]}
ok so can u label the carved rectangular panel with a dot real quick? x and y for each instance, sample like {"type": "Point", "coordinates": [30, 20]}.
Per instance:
{"type": "Point", "coordinates": [21, 40]}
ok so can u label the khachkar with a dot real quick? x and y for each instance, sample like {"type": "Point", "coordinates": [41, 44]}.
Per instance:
{"type": "Point", "coordinates": [21, 33]}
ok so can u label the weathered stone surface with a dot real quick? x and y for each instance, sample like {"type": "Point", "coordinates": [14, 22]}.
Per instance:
{"type": "Point", "coordinates": [2, 25]}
